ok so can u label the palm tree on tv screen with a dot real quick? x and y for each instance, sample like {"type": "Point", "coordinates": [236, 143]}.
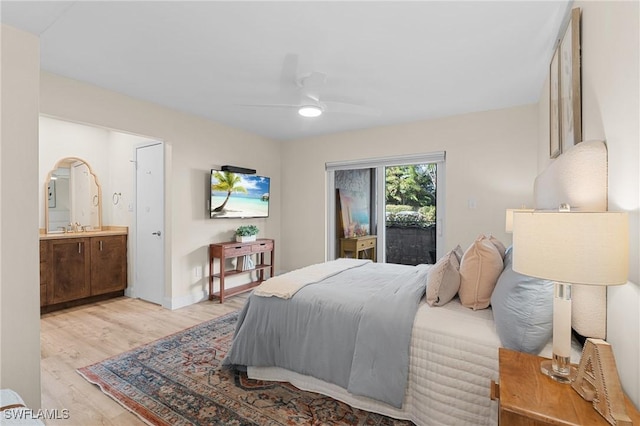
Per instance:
{"type": "Point", "coordinates": [228, 182]}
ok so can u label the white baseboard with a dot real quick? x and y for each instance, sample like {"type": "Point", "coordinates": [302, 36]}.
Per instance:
{"type": "Point", "coordinates": [173, 303]}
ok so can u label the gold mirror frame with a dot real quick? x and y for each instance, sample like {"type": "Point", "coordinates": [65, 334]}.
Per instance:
{"type": "Point", "coordinates": [69, 161]}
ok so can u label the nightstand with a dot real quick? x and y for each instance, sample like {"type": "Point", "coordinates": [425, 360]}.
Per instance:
{"type": "Point", "coordinates": [528, 397]}
{"type": "Point", "coordinates": [359, 247]}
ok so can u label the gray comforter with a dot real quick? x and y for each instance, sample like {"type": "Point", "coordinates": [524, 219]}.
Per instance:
{"type": "Point", "coordinates": [352, 329]}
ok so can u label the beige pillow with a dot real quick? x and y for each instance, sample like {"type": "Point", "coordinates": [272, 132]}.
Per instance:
{"type": "Point", "coordinates": [443, 280]}
{"type": "Point", "coordinates": [496, 242]}
{"type": "Point", "coordinates": [479, 271]}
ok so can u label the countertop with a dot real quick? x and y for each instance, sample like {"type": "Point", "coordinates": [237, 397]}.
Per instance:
{"type": "Point", "coordinates": [105, 231]}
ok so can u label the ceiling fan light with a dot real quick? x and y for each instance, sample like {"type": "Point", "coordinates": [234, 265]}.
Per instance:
{"type": "Point", "coordinates": [310, 111]}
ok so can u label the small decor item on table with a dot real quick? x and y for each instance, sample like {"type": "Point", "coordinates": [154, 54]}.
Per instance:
{"type": "Point", "coordinates": [246, 233]}
{"type": "Point", "coordinates": [597, 380]}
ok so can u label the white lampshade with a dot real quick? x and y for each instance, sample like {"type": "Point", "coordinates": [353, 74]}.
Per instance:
{"type": "Point", "coordinates": [508, 221]}
{"type": "Point", "coordinates": [572, 247]}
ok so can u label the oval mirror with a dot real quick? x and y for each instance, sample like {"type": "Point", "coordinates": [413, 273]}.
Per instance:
{"type": "Point", "coordinates": [73, 197]}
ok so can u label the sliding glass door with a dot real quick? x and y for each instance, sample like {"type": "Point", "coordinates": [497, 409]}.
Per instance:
{"type": "Point", "coordinates": [398, 200]}
{"type": "Point", "coordinates": [410, 214]}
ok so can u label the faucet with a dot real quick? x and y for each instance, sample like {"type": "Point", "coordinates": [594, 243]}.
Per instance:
{"type": "Point", "coordinates": [74, 227]}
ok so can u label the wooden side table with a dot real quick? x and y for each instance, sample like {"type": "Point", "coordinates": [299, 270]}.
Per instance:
{"type": "Point", "coordinates": [528, 397]}
{"type": "Point", "coordinates": [231, 249]}
{"type": "Point", "coordinates": [359, 247]}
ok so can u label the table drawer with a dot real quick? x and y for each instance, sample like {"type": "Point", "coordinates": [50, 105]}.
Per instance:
{"type": "Point", "coordinates": [238, 250]}
{"type": "Point", "coordinates": [366, 244]}
{"type": "Point", "coordinates": [265, 246]}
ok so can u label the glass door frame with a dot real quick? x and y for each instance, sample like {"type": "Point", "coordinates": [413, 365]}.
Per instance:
{"type": "Point", "coordinates": [380, 164]}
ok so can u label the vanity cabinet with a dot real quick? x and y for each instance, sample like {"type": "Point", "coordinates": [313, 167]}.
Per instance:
{"type": "Point", "coordinates": [76, 270]}
{"type": "Point", "coordinates": [70, 270]}
{"type": "Point", "coordinates": [108, 264]}
{"type": "Point", "coordinates": [45, 269]}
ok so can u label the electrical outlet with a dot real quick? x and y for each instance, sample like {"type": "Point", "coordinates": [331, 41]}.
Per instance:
{"type": "Point", "coordinates": [197, 272]}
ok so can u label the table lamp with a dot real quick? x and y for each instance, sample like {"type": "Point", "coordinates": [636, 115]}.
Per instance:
{"type": "Point", "coordinates": [508, 220]}
{"type": "Point", "coordinates": [566, 247]}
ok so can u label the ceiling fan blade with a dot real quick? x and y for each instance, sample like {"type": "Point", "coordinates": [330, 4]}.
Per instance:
{"type": "Point", "coordinates": [314, 79]}
{"type": "Point", "coordinates": [269, 105]}
{"type": "Point", "coordinates": [289, 72]}
{"type": "Point", "coordinates": [346, 108]}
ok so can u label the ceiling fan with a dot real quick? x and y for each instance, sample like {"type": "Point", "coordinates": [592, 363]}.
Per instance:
{"type": "Point", "coordinates": [308, 87]}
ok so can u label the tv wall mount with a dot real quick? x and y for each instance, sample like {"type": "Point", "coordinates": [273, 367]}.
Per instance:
{"type": "Point", "coordinates": [236, 169]}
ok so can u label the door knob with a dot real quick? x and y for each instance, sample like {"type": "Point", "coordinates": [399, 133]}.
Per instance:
{"type": "Point", "coordinates": [158, 233]}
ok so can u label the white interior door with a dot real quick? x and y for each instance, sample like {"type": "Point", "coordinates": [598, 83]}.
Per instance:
{"type": "Point", "coordinates": [149, 263]}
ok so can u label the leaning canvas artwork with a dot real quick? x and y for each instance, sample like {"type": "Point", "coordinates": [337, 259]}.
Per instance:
{"type": "Point", "coordinates": [354, 213]}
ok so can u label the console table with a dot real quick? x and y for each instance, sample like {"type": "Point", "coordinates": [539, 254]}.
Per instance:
{"type": "Point", "coordinates": [359, 247]}
{"type": "Point", "coordinates": [232, 249]}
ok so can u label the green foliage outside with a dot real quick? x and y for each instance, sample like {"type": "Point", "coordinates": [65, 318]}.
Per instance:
{"type": "Point", "coordinates": [390, 208]}
{"type": "Point", "coordinates": [411, 196]}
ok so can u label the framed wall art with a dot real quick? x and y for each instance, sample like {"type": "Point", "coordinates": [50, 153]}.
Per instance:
{"type": "Point", "coordinates": [554, 106]}
{"type": "Point", "coordinates": [570, 94]}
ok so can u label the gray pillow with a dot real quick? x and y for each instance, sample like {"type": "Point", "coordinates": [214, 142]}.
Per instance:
{"type": "Point", "coordinates": [443, 280]}
{"type": "Point", "coordinates": [522, 309]}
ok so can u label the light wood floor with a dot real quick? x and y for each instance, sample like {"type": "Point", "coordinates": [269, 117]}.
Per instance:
{"type": "Point", "coordinates": [81, 336]}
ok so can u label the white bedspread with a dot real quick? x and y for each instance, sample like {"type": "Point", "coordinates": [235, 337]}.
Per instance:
{"type": "Point", "coordinates": [286, 285]}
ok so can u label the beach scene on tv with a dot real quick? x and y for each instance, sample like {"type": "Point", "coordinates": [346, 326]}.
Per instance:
{"type": "Point", "coordinates": [235, 195]}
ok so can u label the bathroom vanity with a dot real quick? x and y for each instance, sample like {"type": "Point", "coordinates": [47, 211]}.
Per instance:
{"type": "Point", "coordinates": [82, 267]}
{"type": "Point", "coordinates": [81, 260]}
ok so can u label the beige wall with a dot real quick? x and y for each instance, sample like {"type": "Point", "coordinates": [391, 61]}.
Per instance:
{"type": "Point", "coordinates": [490, 157]}
{"type": "Point", "coordinates": [611, 112]}
{"type": "Point", "coordinates": [19, 247]}
{"type": "Point", "coordinates": [194, 146]}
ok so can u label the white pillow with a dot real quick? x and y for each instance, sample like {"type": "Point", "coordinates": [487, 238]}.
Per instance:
{"type": "Point", "coordinates": [443, 280]}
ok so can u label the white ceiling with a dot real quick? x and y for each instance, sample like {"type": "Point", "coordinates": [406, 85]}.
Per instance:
{"type": "Point", "coordinates": [408, 61]}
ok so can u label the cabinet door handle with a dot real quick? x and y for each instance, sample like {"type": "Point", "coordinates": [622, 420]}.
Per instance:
{"type": "Point", "coordinates": [100, 245]}
{"type": "Point", "coordinates": [79, 248]}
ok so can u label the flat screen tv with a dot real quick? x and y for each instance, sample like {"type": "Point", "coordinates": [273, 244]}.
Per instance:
{"type": "Point", "coordinates": [238, 195]}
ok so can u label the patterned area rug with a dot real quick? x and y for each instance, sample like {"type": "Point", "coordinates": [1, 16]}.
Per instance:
{"type": "Point", "coordinates": [177, 380]}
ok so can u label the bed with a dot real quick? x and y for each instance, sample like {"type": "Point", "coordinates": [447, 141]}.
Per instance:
{"type": "Point", "coordinates": [451, 350]}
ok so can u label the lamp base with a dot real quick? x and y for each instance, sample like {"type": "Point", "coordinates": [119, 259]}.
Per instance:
{"type": "Point", "coordinates": [565, 375]}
